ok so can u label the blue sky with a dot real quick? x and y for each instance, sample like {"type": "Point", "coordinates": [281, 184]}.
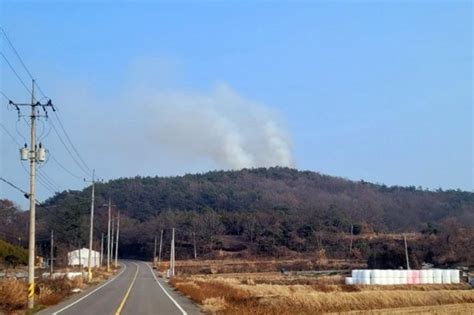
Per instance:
{"type": "Point", "coordinates": [380, 91]}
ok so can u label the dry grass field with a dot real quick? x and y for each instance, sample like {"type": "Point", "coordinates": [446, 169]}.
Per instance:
{"type": "Point", "coordinates": [48, 291]}
{"type": "Point", "coordinates": [190, 267]}
{"type": "Point", "coordinates": [272, 293]}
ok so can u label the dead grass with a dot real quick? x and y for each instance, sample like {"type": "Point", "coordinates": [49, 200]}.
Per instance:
{"type": "Point", "coordinates": [226, 295]}
{"type": "Point", "coordinates": [318, 262]}
{"type": "Point", "coordinates": [12, 294]}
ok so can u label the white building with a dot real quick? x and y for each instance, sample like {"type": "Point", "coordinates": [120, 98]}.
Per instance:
{"type": "Point", "coordinates": [81, 257]}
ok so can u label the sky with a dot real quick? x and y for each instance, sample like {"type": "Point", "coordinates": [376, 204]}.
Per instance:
{"type": "Point", "coordinates": [372, 90]}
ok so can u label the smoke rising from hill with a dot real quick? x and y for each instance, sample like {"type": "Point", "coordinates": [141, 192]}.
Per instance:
{"type": "Point", "coordinates": [234, 132]}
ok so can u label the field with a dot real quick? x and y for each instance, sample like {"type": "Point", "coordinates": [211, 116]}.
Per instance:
{"type": "Point", "coordinates": [190, 267]}
{"type": "Point", "coordinates": [13, 292]}
{"type": "Point", "coordinates": [275, 293]}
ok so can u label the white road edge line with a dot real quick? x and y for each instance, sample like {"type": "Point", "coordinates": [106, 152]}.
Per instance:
{"type": "Point", "coordinates": [164, 290]}
{"type": "Point", "coordinates": [92, 292]}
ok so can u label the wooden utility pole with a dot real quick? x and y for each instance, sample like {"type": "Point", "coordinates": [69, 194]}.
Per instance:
{"type": "Point", "coordinates": [51, 255]}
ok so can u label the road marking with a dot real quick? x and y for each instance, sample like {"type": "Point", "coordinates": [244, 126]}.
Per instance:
{"type": "Point", "coordinates": [92, 292]}
{"type": "Point", "coordinates": [164, 290]}
{"type": "Point", "coordinates": [122, 304]}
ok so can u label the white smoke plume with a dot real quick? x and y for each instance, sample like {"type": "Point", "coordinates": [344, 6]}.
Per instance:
{"type": "Point", "coordinates": [234, 132]}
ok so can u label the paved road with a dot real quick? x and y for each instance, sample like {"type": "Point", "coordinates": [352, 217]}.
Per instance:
{"type": "Point", "coordinates": [134, 291]}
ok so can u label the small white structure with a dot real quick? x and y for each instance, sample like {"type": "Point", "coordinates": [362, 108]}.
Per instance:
{"type": "Point", "coordinates": [80, 257]}
{"type": "Point", "coordinates": [396, 276]}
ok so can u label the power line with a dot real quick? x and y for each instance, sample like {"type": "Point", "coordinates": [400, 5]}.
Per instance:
{"type": "Point", "coordinates": [16, 74]}
{"type": "Point", "coordinates": [64, 168]}
{"type": "Point", "coordinates": [45, 185]}
{"type": "Point", "coordinates": [16, 52]}
{"type": "Point", "coordinates": [84, 167]}
{"type": "Point", "coordinates": [67, 149]}
{"type": "Point", "coordinates": [4, 95]}
{"type": "Point", "coordinates": [19, 58]}
{"type": "Point", "coordinates": [11, 136]}
{"type": "Point", "coordinates": [70, 142]}
{"type": "Point", "coordinates": [49, 179]}
{"type": "Point", "coordinates": [15, 186]}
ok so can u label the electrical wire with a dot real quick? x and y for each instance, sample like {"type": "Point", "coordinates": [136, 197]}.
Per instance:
{"type": "Point", "coordinates": [40, 180]}
{"type": "Point", "coordinates": [70, 142]}
{"type": "Point", "coordinates": [15, 186]}
{"type": "Point", "coordinates": [48, 178]}
{"type": "Point", "coordinates": [16, 52]}
{"type": "Point", "coordinates": [4, 95]}
{"type": "Point", "coordinates": [64, 168]}
{"type": "Point", "coordinates": [16, 74]}
{"type": "Point", "coordinates": [67, 149]}
{"type": "Point", "coordinates": [84, 167]}
{"type": "Point", "coordinates": [9, 134]}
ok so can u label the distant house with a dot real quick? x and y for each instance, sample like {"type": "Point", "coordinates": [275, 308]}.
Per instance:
{"type": "Point", "coordinates": [80, 257]}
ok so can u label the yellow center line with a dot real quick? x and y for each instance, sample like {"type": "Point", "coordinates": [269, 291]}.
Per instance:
{"type": "Point", "coordinates": [122, 304]}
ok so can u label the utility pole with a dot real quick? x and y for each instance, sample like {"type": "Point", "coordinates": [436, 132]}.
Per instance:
{"type": "Point", "coordinates": [32, 240]}
{"type": "Point", "coordinates": [406, 251]}
{"type": "Point", "coordinates": [91, 232]}
{"type": "Point", "coordinates": [34, 154]}
{"type": "Point", "coordinates": [161, 245]}
{"type": "Point", "coordinates": [51, 256]}
{"type": "Point", "coordinates": [101, 248]}
{"type": "Point", "coordinates": [154, 252]}
{"type": "Point", "coordinates": [108, 236]}
{"type": "Point", "coordinates": [194, 240]}
{"type": "Point", "coordinates": [117, 239]}
{"type": "Point", "coordinates": [112, 241]}
{"type": "Point", "coordinates": [172, 255]}
{"type": "Point", "coordinates": [352, 235]}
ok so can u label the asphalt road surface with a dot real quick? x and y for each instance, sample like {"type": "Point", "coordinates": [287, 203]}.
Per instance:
{"type": "Point", "coordinates": [136, 290]}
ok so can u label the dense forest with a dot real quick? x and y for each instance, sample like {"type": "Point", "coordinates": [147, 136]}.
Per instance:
{"type": "Point", "coordinates": [275, 211]}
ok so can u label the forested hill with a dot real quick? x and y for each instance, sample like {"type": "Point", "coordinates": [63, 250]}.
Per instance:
{"type": "Point", "coordinates": [303, 195]}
